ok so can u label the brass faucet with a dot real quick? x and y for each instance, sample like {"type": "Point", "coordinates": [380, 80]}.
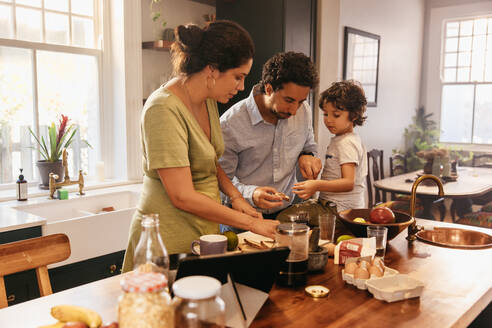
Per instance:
{"type": "Point", "coordinates": [414, 228]}
{"type": "Point", "coordinates": [66, 180]}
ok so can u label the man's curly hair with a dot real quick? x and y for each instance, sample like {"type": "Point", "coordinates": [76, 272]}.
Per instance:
{"type": "Point", "coordinates": [346, 95]}
{"type": "Point", "coordinates": [287, 67]}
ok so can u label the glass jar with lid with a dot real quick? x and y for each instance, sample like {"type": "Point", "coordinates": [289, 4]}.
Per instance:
{"type": "Point", "coordinates": [150, 252]}
{"type": "Point", "coordinates": [145, 301]}
{"type": "Point", "coordinates": [197, 303]}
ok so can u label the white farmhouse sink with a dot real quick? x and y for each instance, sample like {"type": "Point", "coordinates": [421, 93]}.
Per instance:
{"type": "Point", "coordinates": [91, 231]}
{"type": "Point", "coordinates": [80, 206]}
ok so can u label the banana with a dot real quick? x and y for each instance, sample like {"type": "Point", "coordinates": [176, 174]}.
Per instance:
{"type": "Point", "coordinates": [76, 313]}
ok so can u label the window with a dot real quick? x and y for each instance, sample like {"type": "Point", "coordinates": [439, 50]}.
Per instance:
{"type": "Point", "coordinates": [50, 64]}
{"type": "Point", "coordinates": [466, 80]}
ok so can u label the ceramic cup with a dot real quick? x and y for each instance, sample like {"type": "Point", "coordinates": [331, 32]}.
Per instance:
{"type": "Point", "coordinates": [209, 244]}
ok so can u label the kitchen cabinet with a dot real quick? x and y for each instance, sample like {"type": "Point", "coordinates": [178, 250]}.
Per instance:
{"type": "Point", "coordinates": [22, 286]}
{"type": "Point", "coordinates": [275, 26]}
{"type": "Point", "coordinates": [83, 272]}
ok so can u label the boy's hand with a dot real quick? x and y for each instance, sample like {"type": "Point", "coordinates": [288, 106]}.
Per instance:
{"type": "Point", "coordinates": [305, 189]}
{"type": "Point", "coordinates": [309, 166]}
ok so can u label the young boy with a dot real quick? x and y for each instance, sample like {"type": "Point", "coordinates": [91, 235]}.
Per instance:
{"type": "Point", "coordinates": [345, 170]}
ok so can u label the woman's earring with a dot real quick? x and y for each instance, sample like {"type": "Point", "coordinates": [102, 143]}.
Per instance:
{"type": "Point", "coordinates": [210, 85]}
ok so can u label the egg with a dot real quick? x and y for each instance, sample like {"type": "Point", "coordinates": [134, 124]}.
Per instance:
{"type": "Point", "coordinates": [375, 270]}
{"type": "Point", "coordinates": [378, 263]}
{"type": "Point", "coordinates": [351, 267]}
{"type": "Point", "coordinates": [361, 273]}
{"type": "Point", "coordinates": [364, 264]}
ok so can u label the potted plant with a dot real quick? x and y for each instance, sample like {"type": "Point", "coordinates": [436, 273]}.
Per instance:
{"type": "Point", "coordinates": [421, 135]}
{"type": "Point", "coordinates": [59, 138]}
{"type": "Point", "coordinates": [166, 34]}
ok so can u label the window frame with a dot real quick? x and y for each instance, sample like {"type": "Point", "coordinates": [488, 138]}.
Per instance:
{"type": "Point", "coordinates": [97, 52]}
{"type": "Point", "coordinates": [442, 68]}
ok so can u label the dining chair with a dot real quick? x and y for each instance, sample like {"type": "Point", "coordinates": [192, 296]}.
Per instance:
{"type": "Point", "coordinates": [481, 218]}
{"type": "Point", "coordinates": [482, 160]}
{"type": "Point", "coordinates": [462, 207]}
{"type": "Point", "coordinates": [400, 202]}
{"type": "Point", "coordinates": [398, 165]}
{"type": "Point", "coordinates": [375, 172]}
{"type": "Point", "coordinates": [34, 253]}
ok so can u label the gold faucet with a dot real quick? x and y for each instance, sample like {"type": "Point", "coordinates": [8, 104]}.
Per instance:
{"type": "Point", "coordinates": [66, 180]}
{"type": "Point", "coordinates": [413, 228]}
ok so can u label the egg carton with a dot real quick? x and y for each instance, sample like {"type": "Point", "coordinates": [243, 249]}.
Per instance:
{"type": "Point", "coordinates": [395, 288]}
{"type": "Point", "coordinates": [362, 283]}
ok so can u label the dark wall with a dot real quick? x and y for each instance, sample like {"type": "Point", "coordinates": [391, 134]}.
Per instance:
{"type": "Point", "coordinates": [275, 26]}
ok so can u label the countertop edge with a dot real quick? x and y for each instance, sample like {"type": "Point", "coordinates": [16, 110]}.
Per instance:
{"type": "Point", "coordinates": [467, 318]}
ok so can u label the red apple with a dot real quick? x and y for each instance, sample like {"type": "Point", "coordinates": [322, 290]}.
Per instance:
{"type": "Point", "coordinates": [381, 215]}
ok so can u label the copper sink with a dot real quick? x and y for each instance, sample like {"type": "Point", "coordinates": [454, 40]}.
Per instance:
{"type": "Point", "coordinates": [455, 238]}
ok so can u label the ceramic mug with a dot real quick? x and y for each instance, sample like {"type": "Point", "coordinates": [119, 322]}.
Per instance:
{"type": "Point", "coordinates": [209, 244]}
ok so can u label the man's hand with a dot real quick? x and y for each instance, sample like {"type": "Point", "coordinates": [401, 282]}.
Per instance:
{"type": "Point", "coordinates": [264, 197]}
{"type": "Point", "coordinates": [240, 204]}
{"type": "Point", "coordinates": [309, 166]}
{"type": "Point", "coordinates": [305, 189]}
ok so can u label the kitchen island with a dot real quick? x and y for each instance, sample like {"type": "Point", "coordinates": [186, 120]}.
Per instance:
{"type": "Point", "coordinates": [458, 286]}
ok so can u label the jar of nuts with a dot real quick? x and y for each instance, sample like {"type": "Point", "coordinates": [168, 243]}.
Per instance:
{"type": "Point", "coordinates": [197, 303]}
{"type": "Point", "coordinates": [145, 301]}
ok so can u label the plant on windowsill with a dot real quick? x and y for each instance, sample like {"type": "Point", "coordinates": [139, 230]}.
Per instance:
{"type": "Point", "coordinates": [51, 149]}
{"type": "Point", "coordinates": [421, 135]}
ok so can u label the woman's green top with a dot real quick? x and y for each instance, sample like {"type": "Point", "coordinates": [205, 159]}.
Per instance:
{"type": "Point", "coordinates": [172, 137]}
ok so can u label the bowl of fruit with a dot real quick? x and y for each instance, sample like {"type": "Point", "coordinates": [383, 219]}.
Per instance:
{"type": "Point", "coordinates": [357, 220]}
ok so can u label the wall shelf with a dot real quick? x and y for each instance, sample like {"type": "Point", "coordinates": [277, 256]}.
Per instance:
{"type": "Point", "coordinates": [160, 45]}
{"type": "Point", "coordinates": [207, 2]}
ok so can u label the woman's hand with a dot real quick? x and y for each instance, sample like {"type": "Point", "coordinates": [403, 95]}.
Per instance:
{"type": "Point", "coordinates": [240, 204]}
{"type": "Point", "coordinates": [305, 189]}
{"type": "Point", "coordinates": [265, 228]}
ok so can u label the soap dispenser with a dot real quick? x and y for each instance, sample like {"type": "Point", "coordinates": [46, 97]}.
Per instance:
{"type": "Point", "coordinates": [21, 187]}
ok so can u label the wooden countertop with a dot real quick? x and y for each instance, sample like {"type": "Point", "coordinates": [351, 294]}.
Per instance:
{"type": "Point", "coordinates": [458, 286]}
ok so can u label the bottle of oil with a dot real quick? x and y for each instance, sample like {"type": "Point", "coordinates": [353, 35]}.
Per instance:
{"type": "Point", "coordinates": [21, 187]}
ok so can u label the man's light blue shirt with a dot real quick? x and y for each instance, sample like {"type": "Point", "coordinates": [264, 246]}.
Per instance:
{"type": "Point", "coordinates": [258, 153]}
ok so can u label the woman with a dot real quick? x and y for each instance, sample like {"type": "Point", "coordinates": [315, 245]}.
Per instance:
{"type": "Point", "coordinates": [182, 141]}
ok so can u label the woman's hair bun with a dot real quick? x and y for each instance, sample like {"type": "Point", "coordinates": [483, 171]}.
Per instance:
{"type": "Point", "coordinates": [189, 36]}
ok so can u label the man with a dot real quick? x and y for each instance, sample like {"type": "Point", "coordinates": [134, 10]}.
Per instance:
{"type": "Point", "coordinates": [267, 134]}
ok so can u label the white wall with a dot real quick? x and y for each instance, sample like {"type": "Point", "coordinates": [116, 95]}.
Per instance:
{"type": "Point", "coordinates": [400, 25]}
{"type": "Point", "coordinates": [436, 13]}
{"type": "Point", "coordinates": [156, 65]}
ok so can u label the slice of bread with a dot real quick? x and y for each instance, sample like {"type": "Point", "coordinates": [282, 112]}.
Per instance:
{"type": "Point", "coordinates": [282, 195]}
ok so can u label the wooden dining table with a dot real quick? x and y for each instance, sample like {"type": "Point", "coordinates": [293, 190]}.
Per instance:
{"type": "Point", "coordinates": [458, 286]}
{"type": "Point", "coordinates": [470, 182]}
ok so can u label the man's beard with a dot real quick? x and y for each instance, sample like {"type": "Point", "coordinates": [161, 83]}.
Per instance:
{"type": "Point", "coordinates": [280, 116]}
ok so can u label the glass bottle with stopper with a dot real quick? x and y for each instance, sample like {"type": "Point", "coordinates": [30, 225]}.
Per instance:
{"type": "Point", "coordinates": [150, 253]}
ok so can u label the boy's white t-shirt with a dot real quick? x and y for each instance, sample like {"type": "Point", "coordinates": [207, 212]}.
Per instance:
{"type": "Point", "coordinates": [346, 148]}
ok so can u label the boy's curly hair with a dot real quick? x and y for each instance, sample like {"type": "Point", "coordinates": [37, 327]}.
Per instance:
{"type": "Point", "coordinates": [346, 95]}
{"type": "Point", "coordinates": [287, 67]}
